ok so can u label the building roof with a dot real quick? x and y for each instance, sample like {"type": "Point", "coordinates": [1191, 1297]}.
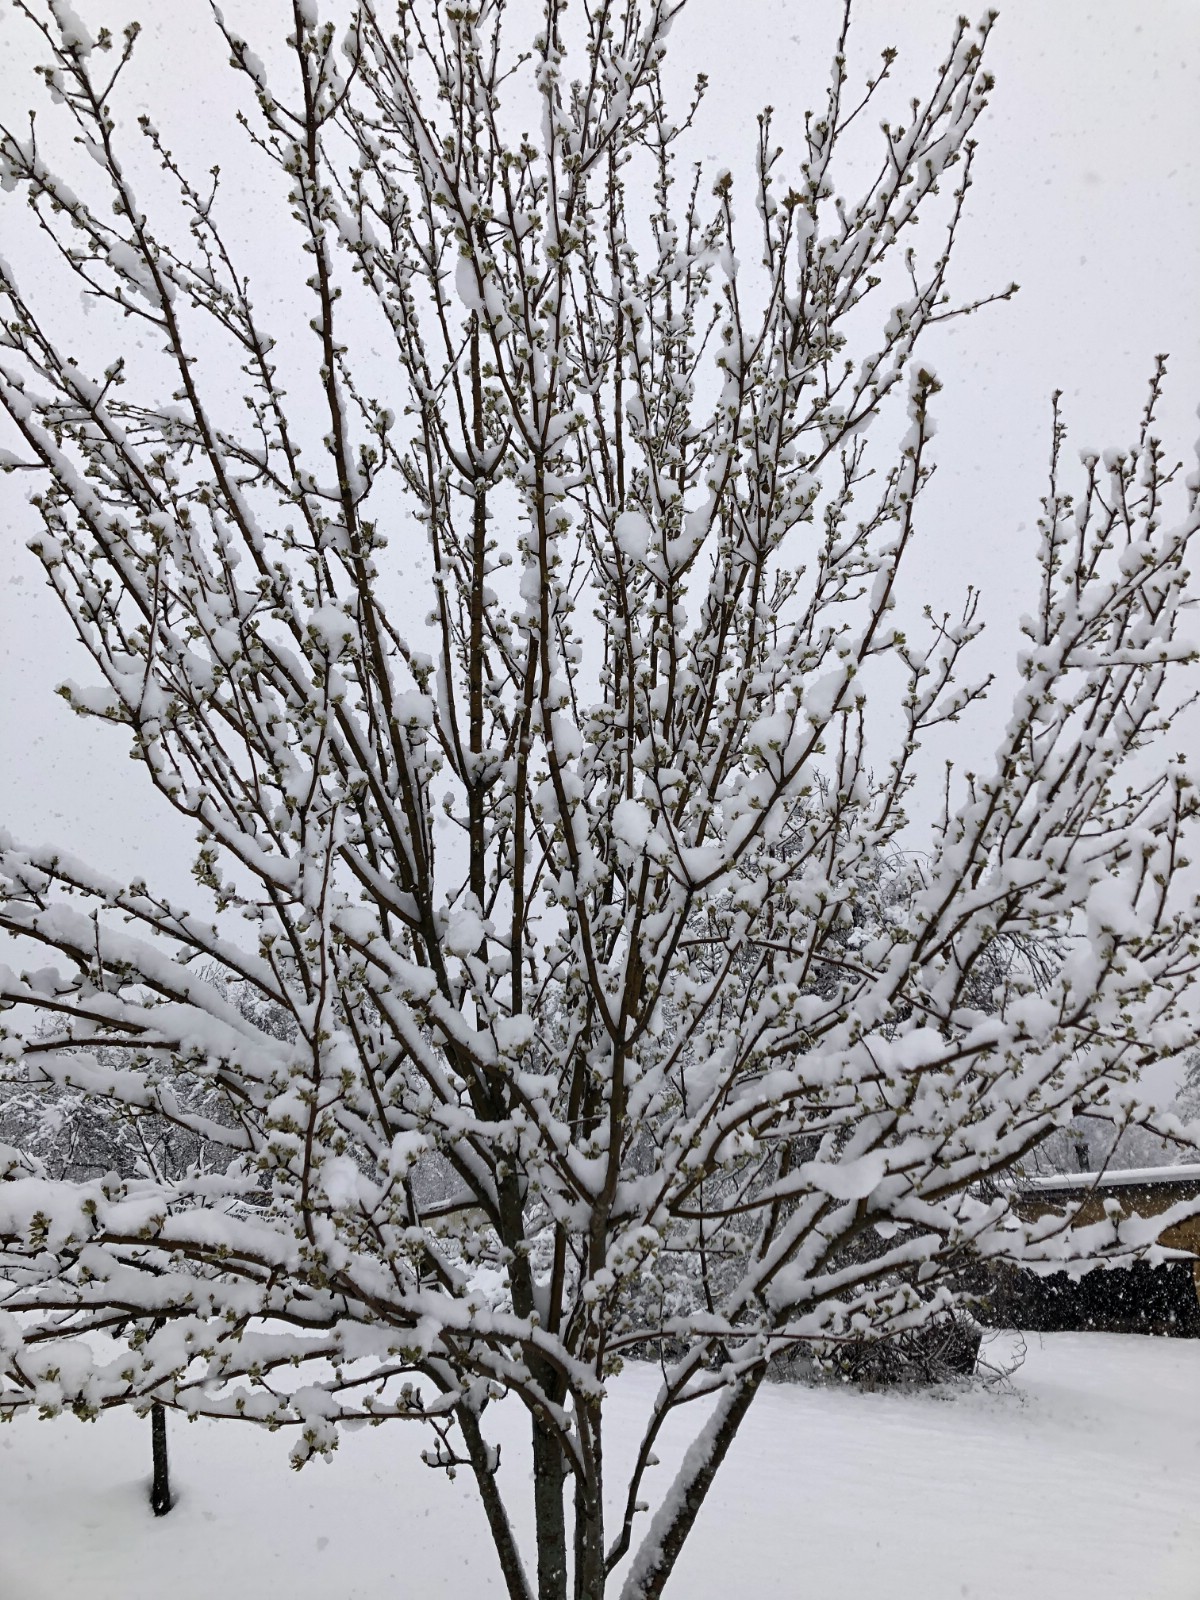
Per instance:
{"type": "Point", "coordinates": [1124, 1178]}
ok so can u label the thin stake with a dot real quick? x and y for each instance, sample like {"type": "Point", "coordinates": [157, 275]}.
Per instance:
{"type": "Point", "coordinates": [160, 1488]}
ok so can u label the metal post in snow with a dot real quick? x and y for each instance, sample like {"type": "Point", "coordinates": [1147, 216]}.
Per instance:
{"type": "Point", "coordinates": [160, 1487]}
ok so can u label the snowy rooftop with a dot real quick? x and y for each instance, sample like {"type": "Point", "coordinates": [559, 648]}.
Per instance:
{"type": "Point", "coordinates": [1108, 1180]}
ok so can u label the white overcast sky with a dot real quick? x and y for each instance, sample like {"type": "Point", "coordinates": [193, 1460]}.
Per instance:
{"type": "Point", "coordinates": [1087, 193]}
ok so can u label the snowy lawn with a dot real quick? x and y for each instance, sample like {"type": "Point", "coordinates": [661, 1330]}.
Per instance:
{"type": "Point", "coordinates": [1082, 1482]}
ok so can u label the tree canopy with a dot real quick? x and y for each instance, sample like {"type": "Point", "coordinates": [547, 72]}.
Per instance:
{"type": "Point", "coordinates": [521, 634]}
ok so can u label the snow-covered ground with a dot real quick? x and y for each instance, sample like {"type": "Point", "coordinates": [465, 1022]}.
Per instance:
{"type": "Point", "coordinates": [1080, 1482]}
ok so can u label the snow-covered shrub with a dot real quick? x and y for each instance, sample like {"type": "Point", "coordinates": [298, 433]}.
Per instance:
{"type": "Point", "coordinates": [1162, 1300]}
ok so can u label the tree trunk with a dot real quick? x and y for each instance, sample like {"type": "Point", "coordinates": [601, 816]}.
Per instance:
{"type": "Point", "coordinates": [160, 1487]}
{"type": "Point", "coordinates": [493, 1505]}
{"type": "Point", "coordinates": [655, 1561]}
{"type": "Point", "coordinates": [589, 1522]}
{"type": "Point", "coordinates": [550, 1516]}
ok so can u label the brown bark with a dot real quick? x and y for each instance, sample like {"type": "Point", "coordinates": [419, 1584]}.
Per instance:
{"type": "Point", "coordinates": [549, 1471]}
{"type": "Point", "coordinates": [589, 1506]}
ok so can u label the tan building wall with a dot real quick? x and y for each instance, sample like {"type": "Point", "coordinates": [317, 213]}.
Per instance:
{"type": "Point", "coordinates": [1146, 1195]}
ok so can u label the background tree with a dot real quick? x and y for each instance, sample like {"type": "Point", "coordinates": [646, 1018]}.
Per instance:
{"type": "Point", "coordinates": [1090, 1144]}
{"type": "Point", "coordinates": [651, 992]}
{"type": "Point", "coordinates": [78, 1126]}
